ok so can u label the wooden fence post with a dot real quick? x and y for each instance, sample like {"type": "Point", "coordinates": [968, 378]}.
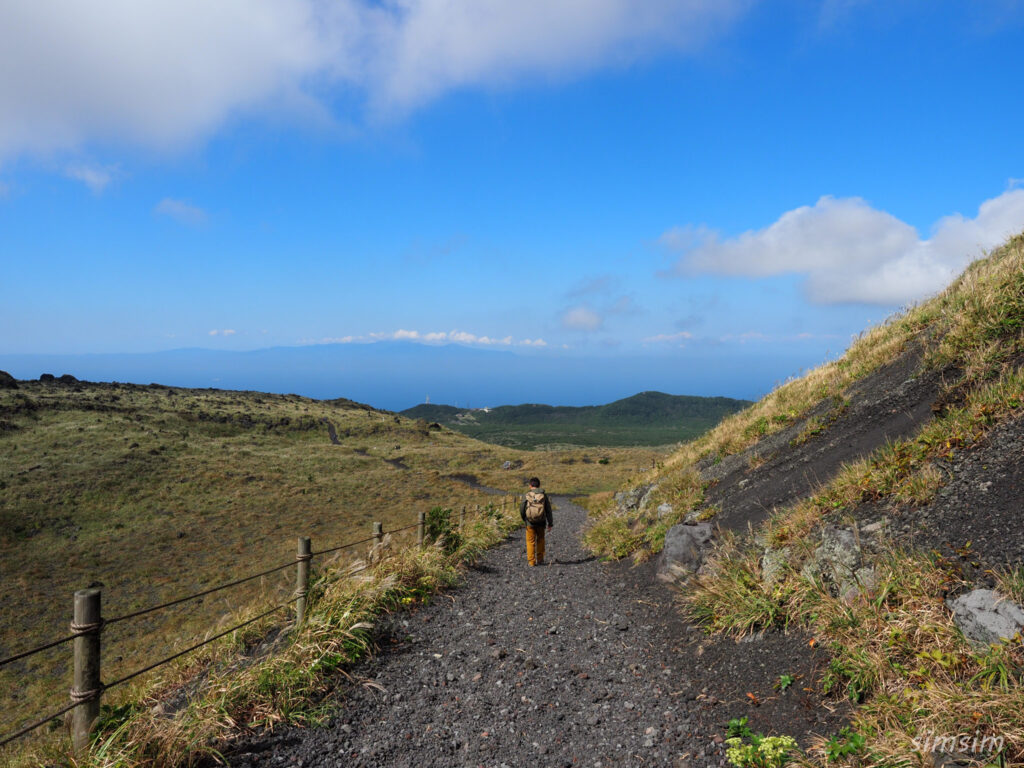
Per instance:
{"type": "Point", "coordinates": [378, 532]}
{"type": "Point", "coordinates": [421, 528]}
{"type": "Point", "coordinates": [87, 685]}
{"type": "Point", "coordinates": [462, 519]}
{"type": "Point", "coordinates": [303, 558]}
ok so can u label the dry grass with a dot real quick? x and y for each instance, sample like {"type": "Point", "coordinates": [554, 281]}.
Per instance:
{"type": "Point", "coordinates": [158, 493]}
{"type": "Point", "coordinates": [975, 325]}
{"type": "Point", "coordinates": [270, 672]}
{"type": "Point", "coordinates": [895, 649]}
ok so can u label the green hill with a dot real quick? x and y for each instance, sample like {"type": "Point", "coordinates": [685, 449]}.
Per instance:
{"type": "Point", "coordinates": [648, 418]}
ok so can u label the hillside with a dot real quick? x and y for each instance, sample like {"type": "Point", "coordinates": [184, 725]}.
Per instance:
{"type": "Point", "coordinates": [648, 418]}
{"type": "Point", "coordinates": [155, 492]}
{"type": "Point", "coordinates": [870, 510]}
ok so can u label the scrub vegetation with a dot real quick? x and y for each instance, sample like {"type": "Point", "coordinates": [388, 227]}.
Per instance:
{"type": "Point", "coordinates": [895, 650]}
{"type": "Point", "coordinates": [648, 418]}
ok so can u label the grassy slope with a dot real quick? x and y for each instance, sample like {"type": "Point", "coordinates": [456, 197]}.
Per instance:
{"type": "Point", "coordinates": [157, 492]}
{"type": "Point", "coordinates": [648, 418]}
{"type": "Point", "coordinates": [896, 650]}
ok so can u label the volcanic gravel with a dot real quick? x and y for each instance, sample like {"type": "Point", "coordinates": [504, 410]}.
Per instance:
{"type": "Point", "coordinates": [975, 518]}
{"type": "Point", "coordinates": [576, 662]}
{"type": "Point", "coordinates": [889, 404]}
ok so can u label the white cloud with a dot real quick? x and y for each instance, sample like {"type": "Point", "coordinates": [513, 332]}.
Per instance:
{"type": "Point", "coordinates": [432, 46]}
{"type": "Point", "coordinates": [179, 210]}
{"type": "Point", "coordinates": [168, 72]}
{"type": "Point", "coordinates": [669, 338]}
{"type": "Point", "coordinates": [96, 178]}
{"type": "Point", "coordinates": [851, 252]}
{"type": "Point", "coordinates": [582, 319]}
{"type": "Point", "coordinates": [439, 337]}
{"type": "Point", "coordinates": [225, 332]}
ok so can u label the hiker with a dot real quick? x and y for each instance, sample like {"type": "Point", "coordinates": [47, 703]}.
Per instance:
{"type": "Point", "coordinates": [536, 512]}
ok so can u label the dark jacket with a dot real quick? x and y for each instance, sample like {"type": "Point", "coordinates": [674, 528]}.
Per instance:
{"type": "Point", "coordinates": [547, 511]}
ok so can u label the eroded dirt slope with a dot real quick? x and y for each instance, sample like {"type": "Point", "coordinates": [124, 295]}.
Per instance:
{"type": "Point", "coordinates": [890, 404]}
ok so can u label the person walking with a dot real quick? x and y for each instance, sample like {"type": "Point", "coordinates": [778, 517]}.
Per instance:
{"type": "Point", "coordinates": [535, 510]}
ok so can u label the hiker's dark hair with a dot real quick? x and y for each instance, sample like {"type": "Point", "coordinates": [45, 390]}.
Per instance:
{"type": "Point", "coordinates": [534, 482]}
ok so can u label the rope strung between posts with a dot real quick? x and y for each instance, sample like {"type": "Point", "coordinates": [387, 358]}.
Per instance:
{"type": "Point", "coordinates": [80, 697]}
{"type": "Point", "coordinates": [210, 591]}
{"type": "Point", "coordinates": [406, 528]}
{"type": "Point", "coordinates": [39, 723]}
{"type": "Point", "coordinates": [79, 630]}
{"type": "Point", "coordinates": [197, 646]}
{"type": "Point", "coordinates": [40, 649]}
{"type": "Point", "coordinates": [345, 546]}
{"type": "Point", "coordinates": [180, 600]}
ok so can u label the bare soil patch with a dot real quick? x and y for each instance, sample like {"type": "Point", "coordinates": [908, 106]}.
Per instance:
{"type": "Point", "coordinates": [889, 404]}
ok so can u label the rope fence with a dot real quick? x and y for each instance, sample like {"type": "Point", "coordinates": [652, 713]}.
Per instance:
{"type": "Point", "coordinates": [88, 625]}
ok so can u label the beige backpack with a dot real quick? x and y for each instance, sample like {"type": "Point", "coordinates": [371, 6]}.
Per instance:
{"type": "Point", "coordinates": [535, 506]}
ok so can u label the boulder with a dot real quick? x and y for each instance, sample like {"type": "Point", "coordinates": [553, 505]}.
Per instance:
{"type": "Point", "coordinates": [837, 563]}
{"type": "Point", "coordinates": [684, 551]}
{"type": "Point", "coordinates": [7, 381]}
{"type": "Point", "coordinates": [986, 617]}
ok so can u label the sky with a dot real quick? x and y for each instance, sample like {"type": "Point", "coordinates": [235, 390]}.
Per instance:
{"type": "Point", "coordinates": [699, 182]}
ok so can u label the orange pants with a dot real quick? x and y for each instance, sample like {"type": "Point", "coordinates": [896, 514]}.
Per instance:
{"type": "Point", "coordinates": [534, 545]}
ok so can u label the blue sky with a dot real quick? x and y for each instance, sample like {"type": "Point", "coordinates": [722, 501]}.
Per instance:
{"type": "Point", "coordinates": [697, 180]}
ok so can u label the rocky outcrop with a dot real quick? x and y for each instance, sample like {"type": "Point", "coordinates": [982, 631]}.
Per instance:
{"type": "Point", "coordinates": [7, 381]}
{"type": "Point", "coordinates": [634, 499]}
{"type": "Point", "coordinates": [838, 563]}
{"type": "Point", "coordinates": [684, 551]}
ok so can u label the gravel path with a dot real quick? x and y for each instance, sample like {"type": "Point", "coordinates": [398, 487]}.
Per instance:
{"type": "Point", "coordinates": [560, 665]}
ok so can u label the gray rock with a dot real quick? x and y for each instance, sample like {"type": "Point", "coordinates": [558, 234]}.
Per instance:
{"type": "Point", "coordinates": [836, 561]}
{"type": "Point", "coordinates": [986, 617]}
{"type": "Point", "coordinates": [664, 510]}
{"type": "Point", "coordinates": [774, 563]}
{"type": "Point", "coordinates": [633, 499]}
{"type": "Point", "coordinates": [685, 547]}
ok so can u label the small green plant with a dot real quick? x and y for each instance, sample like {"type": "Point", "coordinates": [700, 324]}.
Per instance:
{"type": "Point", "coordinates": [844, 744]}
{"type": "Point", "coordinates": [439, 529]}
{"type": "Point", "coordinates": [761, 752]}
{"type": "Point", "coordinates": [737, 728]}
{"type": "Point", "coordinates": [784, 682]}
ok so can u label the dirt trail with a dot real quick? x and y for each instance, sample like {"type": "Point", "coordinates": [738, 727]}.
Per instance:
{"type": "Point", "coordinates": [577, 662]}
